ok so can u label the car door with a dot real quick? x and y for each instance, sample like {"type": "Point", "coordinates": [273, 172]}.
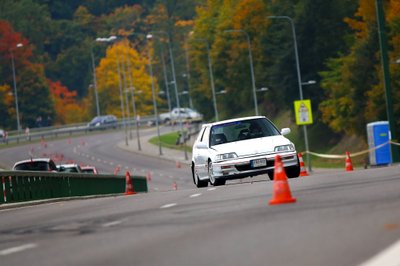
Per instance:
{"type": "Point", "coordinates": [202, 153]}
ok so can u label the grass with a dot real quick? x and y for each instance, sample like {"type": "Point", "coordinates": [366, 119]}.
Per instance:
{"type": "Point", "coordinates": [169, 141]}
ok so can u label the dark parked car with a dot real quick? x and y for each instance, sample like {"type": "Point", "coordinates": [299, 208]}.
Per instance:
{"type": "Point", "coordinates": [103, 121]}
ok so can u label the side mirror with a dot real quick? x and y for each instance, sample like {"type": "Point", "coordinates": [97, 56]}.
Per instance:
{"type": "Point", "coordinates": [285, 131]}
{"type": "Point", "coordinates": [201, 146]}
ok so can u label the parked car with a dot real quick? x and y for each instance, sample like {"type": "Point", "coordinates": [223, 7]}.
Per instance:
{"type": "Point", "coordinates": [70, 168]}
{"type": "Point", "coordinates": [89, 169]}
{"type": "Point", "coordinates": [37, 164]}
{"type": "Point", "coordinates": [185, 114]}
{"type": "Point", "coordinates": [103, 121]}
{"type": "Point", "coordinates": [3, 135]}
{"type": "Point", "coordinates": [240, 148]}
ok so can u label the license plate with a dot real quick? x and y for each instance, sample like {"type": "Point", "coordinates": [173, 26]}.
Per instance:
{"type": "Point", "coordinates": [258, 163]}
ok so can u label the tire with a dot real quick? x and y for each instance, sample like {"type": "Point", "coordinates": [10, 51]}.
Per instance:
{"type": "Point", "coordinates": [271, 175]}
{"type": "Point", "coordinates": [293, 171]}
{"type": "Point", "coordinates": [214, 181]}
{"type": "Point", "coordinates": [198, 183]}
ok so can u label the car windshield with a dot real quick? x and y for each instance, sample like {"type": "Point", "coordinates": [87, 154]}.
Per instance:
{"type": "Point", "coordinates": [242, 130]}
{"type": "Point", "coordinates": [32, 166]}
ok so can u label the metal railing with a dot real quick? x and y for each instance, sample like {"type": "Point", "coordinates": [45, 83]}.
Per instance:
{"type": "Point", "coordinates": [36, 134]}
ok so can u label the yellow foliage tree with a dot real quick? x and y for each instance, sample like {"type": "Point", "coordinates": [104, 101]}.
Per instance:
{"type": "Point", "coordinates": [123, 69]}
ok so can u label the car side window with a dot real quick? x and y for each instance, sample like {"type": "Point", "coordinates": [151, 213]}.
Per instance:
{"type": "Point", "coordinates": [202, 134]}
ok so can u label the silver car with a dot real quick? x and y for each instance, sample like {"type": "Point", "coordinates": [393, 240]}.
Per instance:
{"type": "Point", "coordinates": [240, 148]}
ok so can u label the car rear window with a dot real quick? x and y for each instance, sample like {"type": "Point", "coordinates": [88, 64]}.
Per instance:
{"type": "Point", "coordinates": [32, 166]}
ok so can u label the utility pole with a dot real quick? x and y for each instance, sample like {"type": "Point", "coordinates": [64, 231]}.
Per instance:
{"type": "Point", "coordinates": [386, 77]}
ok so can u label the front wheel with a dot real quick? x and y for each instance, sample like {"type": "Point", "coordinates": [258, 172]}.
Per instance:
{"type": "Point", "coordinates": [293, 171]}
{"type": "Point", "coordinates": [214, 181]}
{"type": "Point", "coordinates": [199, 183]}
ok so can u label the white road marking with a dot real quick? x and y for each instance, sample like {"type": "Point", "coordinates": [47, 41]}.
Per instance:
{"type": "Point", "coordinates": [114, 223]}
{"type": "Point", "coordinates": [168, 205]}
{"type": "Point", "coordinates": [195, 195]}
{"type": "Point", "coordinates": [211, 189]}
{"type": "Point", "coordinates": [12, 250]}
{"type": "Point", "coordinates": [387, 257]}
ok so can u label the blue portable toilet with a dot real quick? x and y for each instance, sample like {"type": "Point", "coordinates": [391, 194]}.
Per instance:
{"type": "Point", "coordinates": [378, 133]}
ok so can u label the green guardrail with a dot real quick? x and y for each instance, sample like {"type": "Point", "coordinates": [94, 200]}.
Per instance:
{"type": "Point", "coordinates": [18, 186]}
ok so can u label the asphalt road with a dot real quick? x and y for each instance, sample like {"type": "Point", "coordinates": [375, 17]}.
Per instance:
{"type": "Point", "coordinates": [340, 218]}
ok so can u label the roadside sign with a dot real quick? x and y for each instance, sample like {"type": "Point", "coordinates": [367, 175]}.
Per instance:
{"type": "Point", "coordinates": [303, 112]}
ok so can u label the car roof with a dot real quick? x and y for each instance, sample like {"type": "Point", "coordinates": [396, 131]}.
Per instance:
{"type": "Point", "coordinates": [35, 160]}
{"type": "Point", "coordinates": [233, 120]}
{"type": "Point", "coordinates": [68, 165]}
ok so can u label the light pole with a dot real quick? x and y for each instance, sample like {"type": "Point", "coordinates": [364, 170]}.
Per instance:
{"type": "Point", "coordinates": [149, 36]}
{"type": "Point", "coordinates": [298, 79]}
{"type": "Point", "coordinates": [253, 81]}
{"type": "Point", "coordinates": [111, 39]}
{"type": "Point", "coordinates": [211, 76]}
{"type": "Point", "coordinates": [15, 86]}
{"type": "Point", "coordinates": [165, 79]}
{"type": "Point", "coordinates": [188, 72]}
{"type": "Point", "coordinates": [95, 83]}
{"type": "Point", "coordinates": [132, 89]}
{"type": "Point", "coordinates": [154, 101]}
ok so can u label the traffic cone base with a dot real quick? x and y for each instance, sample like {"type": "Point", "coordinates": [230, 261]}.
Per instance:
{"type": "Point", "coordinates": [303, 171]}
{"type": "Point", "coordinates": [349, 165]}
{"type": "Point", "coordinates": [281, 190]}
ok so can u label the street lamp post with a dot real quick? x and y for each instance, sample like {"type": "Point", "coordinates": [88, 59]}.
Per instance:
{"type": "Point", "coordinates": [154, 102]}
{"type": "Point", "coordinates": [174, 78]}
{"type": "Point", "coordinates": [253, 81]}
{"type": "Point", "coordinates": [154, 99]}
{"type": "Point", "coordinates": [95, 83]}
{"type": "Point", "coordinates": [210, 69]}
{"type": "Point", "coordinates": [165, 79]}
{"type": "Point", "coordinates": [132, 89]}
{"type": "Point", "coordinates": [15, 86]}
{"type": "Point", "coordinates": [298, 78]}
{"type": "Point", "coordinates": [111, 39]}
{"type": "Point", "coordinates": [121, 96]}
{"type": "Point", "coordinates": [188, 72]}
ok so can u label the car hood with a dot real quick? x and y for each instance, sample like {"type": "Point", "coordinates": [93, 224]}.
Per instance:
{"type": "Point", "coordinates": [248, 147]}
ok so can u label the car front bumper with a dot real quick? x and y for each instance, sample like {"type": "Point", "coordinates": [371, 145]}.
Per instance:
{"type": "Point", "coordinates": [242, 167]}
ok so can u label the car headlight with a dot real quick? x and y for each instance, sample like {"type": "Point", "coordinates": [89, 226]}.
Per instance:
{"type": "Point", "coordinates": [284, 148]}
{"type": "Point", "coordinates": [225, 156]}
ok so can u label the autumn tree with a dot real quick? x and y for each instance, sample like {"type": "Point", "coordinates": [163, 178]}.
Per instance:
{"type": "Point", "coordinates": [122, 67]}
{"type": "Point", "coordinates": [67, 109]}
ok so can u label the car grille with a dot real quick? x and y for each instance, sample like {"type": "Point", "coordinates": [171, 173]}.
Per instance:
{"type": "Point", "coordinates": [247, 167]}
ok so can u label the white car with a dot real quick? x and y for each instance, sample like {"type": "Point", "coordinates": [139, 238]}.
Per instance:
{"type": "Point", "coordinates": [35, 164]}
{"type": "Point", "coordinates": [184, 114]}
{"type": "Point", "coordinates": [70, 168]}
{"type": "Point", "coordinates": [240, 148]}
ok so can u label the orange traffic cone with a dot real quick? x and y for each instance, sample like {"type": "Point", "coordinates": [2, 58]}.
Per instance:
{"type": "Point", "coordinates": [281, 192]}
{"type": "Point", "coordinates": [128, 185]}
{"type": "Point", "coordinates": [148, 176]}
{"type": "Point", "coordinates": [116, 170]}
{"type": "Point", "coordinates": [303, 171]}
{"type": "Point", "coordinates": [349, 165]}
